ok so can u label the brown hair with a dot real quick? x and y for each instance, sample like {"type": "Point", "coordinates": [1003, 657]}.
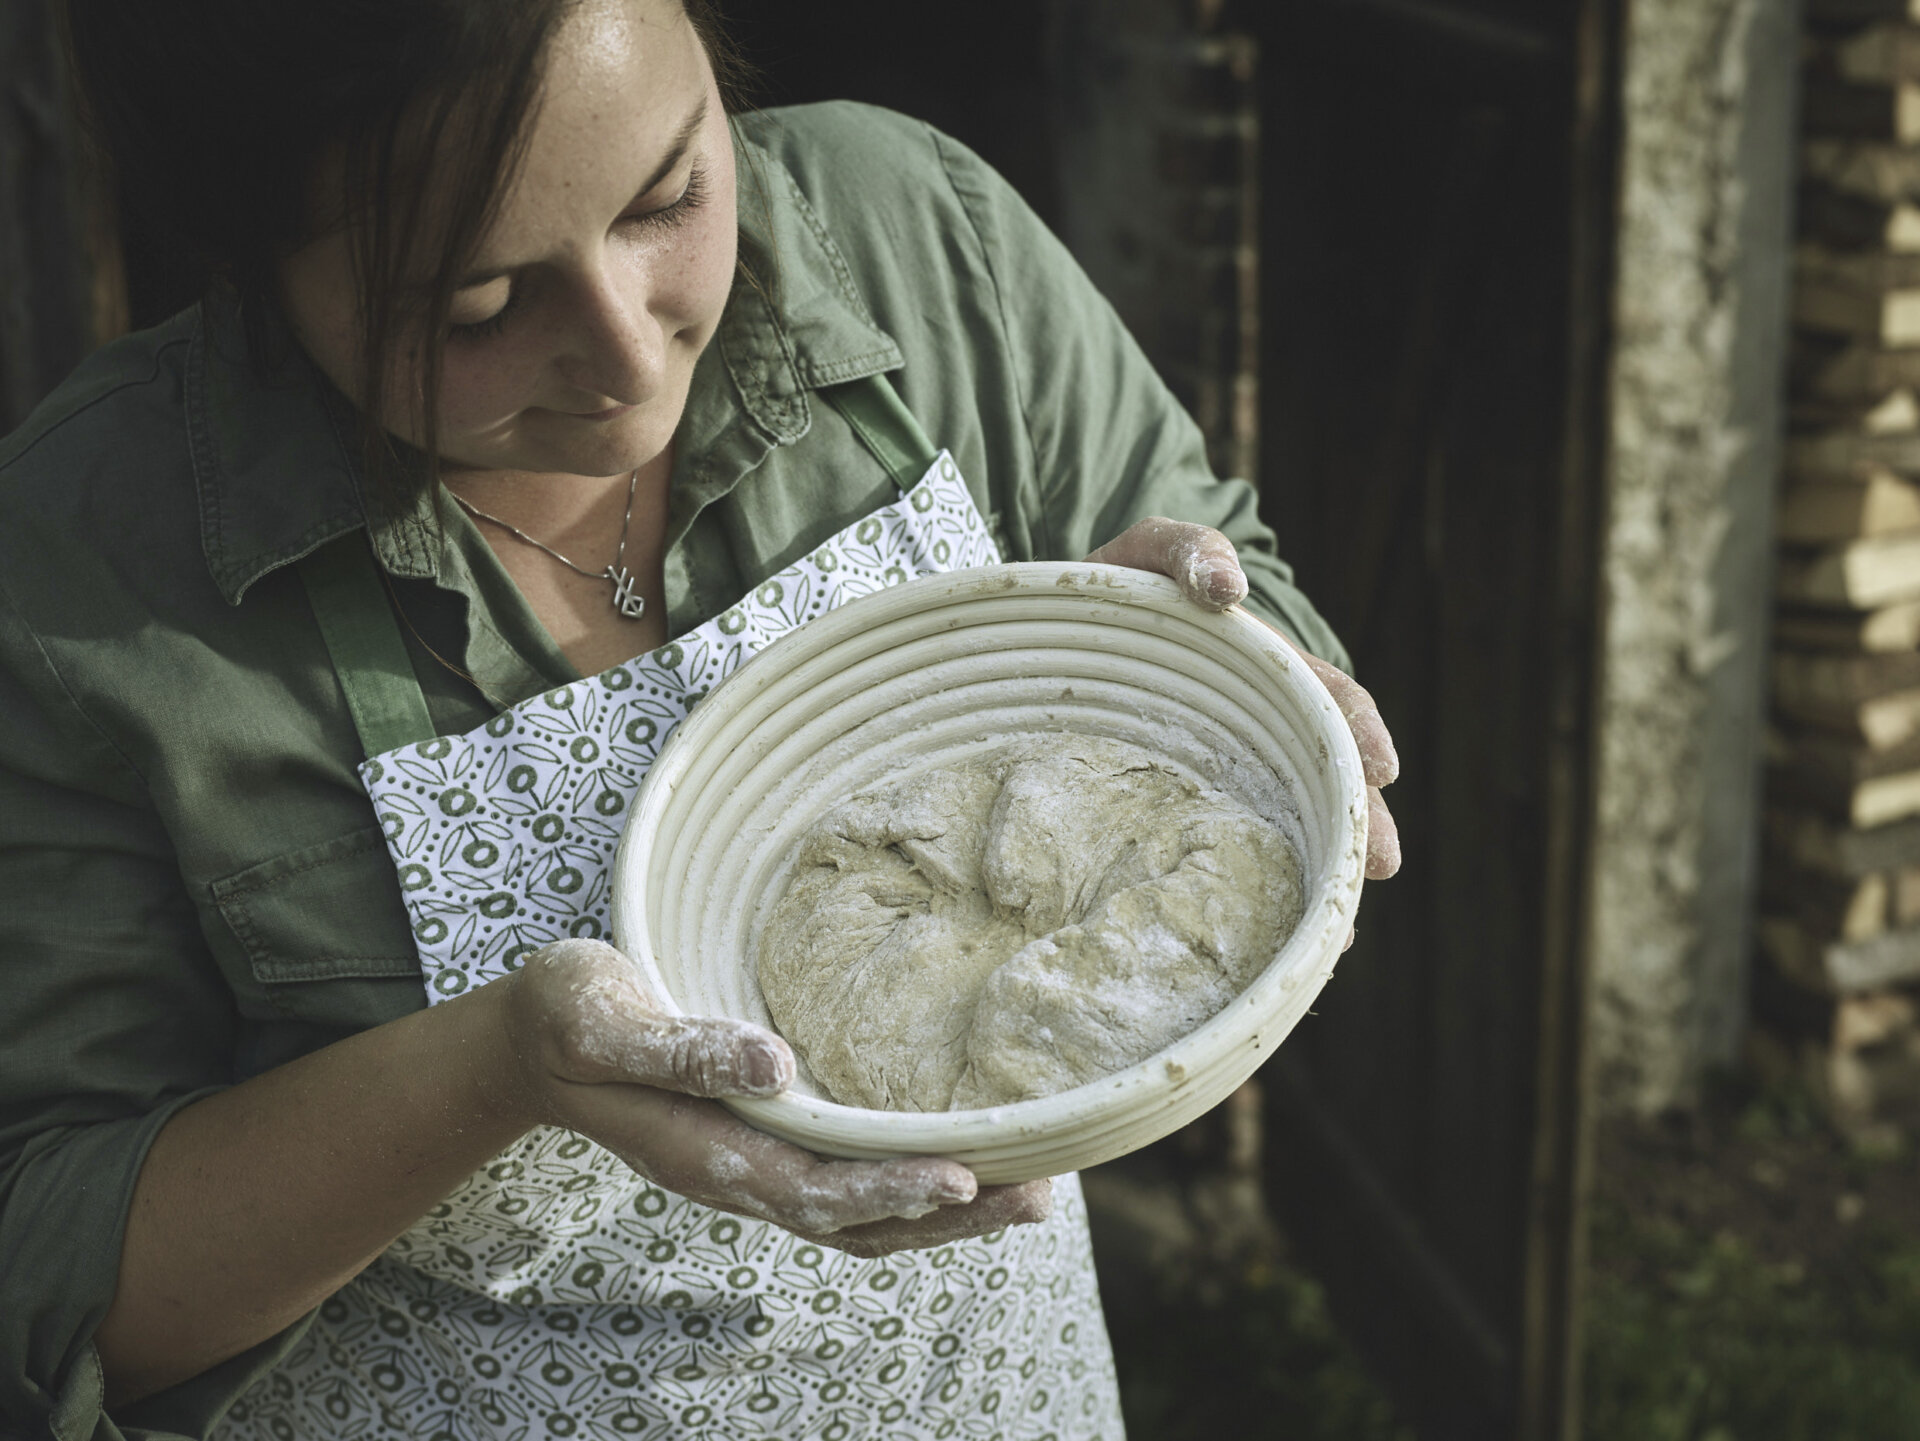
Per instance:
{"type": "Point", "coordinates": [215, 116]}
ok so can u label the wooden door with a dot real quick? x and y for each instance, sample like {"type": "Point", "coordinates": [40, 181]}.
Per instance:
{"type": "Point", "coordinates": [1437, 193]}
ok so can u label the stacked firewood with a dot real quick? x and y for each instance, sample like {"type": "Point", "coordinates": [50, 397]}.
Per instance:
{"type": "Point", "coordinates": [1837, 993]}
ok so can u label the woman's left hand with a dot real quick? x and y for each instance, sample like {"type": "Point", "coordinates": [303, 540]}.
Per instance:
{"type": "Point", "coordinates": [1205, 565]}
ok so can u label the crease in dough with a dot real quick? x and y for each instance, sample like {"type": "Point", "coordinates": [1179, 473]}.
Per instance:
{"type": "Point", "coordinates": [1024, 922]}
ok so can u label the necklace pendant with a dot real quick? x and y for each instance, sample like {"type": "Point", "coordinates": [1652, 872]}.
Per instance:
{"type": "Point", "coordinates": [629, 604]}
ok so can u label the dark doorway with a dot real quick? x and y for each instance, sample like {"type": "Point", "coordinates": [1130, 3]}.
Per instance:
{"type": "Point", "coordinates": [1438, 186]}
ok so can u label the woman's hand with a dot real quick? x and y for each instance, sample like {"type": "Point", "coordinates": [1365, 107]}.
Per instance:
{"type": "Point", "coordinates": [595, 1054]}
{"type": "Point", "coordinates": [1205, 565]}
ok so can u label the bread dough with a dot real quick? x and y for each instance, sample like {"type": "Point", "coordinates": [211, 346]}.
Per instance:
{"type": "Point", "coordinates": [1019, 923]}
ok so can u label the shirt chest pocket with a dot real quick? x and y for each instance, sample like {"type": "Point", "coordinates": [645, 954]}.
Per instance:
{"type": "Point", "coordinates": [324, 930]}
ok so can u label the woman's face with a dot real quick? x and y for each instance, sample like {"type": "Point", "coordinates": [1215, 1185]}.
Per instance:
{"type": "Point", "coordinates": [602, 278]}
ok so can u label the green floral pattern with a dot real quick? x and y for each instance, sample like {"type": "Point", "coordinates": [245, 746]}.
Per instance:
{"type": "Point", "coordinates": [556, 1293]}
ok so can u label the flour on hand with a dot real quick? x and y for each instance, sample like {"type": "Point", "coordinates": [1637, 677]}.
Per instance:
{"type": "Point", "coordinates": [1019, 924]}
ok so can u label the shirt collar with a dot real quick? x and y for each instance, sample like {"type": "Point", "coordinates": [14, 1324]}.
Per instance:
{"type": "Point", "coordinates": [275, 456]}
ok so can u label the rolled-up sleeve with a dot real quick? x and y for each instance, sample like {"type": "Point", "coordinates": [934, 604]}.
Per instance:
{"type": "Point", "coordinates": [1112, 445]}
{"type": "Point", "coordinates": [113, 1017]}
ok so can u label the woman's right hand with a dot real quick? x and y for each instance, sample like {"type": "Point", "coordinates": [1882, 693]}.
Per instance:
{"type": "Point", "coordinates": [595, 1054]}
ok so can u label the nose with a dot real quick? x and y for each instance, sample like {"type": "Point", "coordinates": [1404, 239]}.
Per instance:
{"type": "Point", "coordinates": [617, 348]}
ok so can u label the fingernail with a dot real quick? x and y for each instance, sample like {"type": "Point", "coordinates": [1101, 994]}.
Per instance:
{"type": "Point", "coordinates": [953, 1191]}
{"type": "Point", "coordinates": [768, 1069]}
{"type": "Point", "coordinates": [1226, 585]}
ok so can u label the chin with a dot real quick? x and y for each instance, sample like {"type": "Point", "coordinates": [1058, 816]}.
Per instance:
{"type": "Point", "coordinates": [600, 448]}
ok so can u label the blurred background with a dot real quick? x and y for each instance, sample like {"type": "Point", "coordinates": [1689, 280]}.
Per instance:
{"type": "Point", "coordinates": [1574, 346]}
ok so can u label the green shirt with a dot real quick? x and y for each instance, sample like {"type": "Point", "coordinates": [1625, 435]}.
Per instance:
{"type": "Point", "coordinates": [192, 886]}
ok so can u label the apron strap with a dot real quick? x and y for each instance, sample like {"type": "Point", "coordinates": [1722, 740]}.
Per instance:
{"type": "Point", "coordinates": [885, 426]}
{"type": "Point", "coordinates": [355, 613]}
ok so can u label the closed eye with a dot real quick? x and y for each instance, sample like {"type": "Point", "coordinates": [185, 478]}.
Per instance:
{"type": "Point", "coordinates": [691, 197]}
{"type": "Point", "coordinates": [494, 323]}
{"type": "Point", "coordinates": [676, 212]}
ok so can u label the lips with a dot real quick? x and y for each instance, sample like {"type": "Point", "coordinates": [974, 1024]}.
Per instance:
{"type": "Point", "coordinates": [612, 412]}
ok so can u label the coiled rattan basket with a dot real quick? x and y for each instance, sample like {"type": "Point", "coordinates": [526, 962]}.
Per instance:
{"type": "Point", "coordinates": [921, 675]}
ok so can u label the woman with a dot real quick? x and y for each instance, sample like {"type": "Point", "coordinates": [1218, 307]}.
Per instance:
{"type": "Point", "coordinates": [322, 1108]}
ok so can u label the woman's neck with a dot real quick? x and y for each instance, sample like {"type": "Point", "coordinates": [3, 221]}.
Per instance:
{"type": "Point", "coordinates": [582, 518]}
{"type": "Point", "coordinates": [538, 503]}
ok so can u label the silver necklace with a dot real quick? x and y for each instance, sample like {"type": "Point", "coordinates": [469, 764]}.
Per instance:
{"type": "Point", "coordinates": [625, 599]}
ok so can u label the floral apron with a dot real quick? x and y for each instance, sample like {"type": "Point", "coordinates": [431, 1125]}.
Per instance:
{"type": "Point", "coordinates": [556, 1293]}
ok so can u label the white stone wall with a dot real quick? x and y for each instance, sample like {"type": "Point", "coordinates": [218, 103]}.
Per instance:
{"type": "Point", "coordinates": [1693, 446]}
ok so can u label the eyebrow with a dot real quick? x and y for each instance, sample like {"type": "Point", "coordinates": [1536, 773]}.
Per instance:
{"type": "Point", "coordinates": [676, 152]}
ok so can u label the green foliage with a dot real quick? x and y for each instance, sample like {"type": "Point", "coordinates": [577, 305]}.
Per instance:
{"type": "Point", "coordinates": [1783, 1109]}
{"type": "Point", "coordinates": [1696, 1338]}
{"type": "Point", "coordinates": [1267, 1361]}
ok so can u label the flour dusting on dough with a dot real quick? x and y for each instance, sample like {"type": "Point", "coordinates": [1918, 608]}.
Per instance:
{"type": "Point", "coordinates": [1019, 924]}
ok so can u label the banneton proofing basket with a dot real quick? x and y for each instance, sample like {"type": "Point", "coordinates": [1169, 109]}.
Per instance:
{"type": "Point", "coordinates": [923, 675]}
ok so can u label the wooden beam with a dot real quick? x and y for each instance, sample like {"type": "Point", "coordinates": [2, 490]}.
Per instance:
{"type": "Point", "coordinates": [60, 293]}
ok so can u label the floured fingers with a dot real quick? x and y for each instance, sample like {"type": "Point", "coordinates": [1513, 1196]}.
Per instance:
{"type": "Point", "coordinates": [603, 1025]}
{"type": "Point", "coordinates": [699, 1149]}
{"type": "Point", "coordinates": [994, 1209]}
{"type": "Point", "coordinates": [1198, 558]}
{"type": "Point", "coordinates": [1378, 759]}
{"type": "Point", "coordinates": [1383, 838]}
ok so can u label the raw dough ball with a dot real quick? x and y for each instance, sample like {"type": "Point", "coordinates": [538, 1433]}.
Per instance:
{"type": "Point", "coordinates": [1019, 924]}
